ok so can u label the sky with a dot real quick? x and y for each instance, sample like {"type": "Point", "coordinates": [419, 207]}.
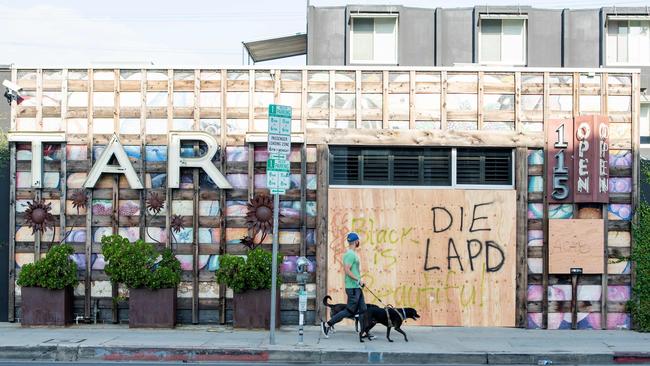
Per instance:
{"type": "Point", "coordinates": [174, 33]}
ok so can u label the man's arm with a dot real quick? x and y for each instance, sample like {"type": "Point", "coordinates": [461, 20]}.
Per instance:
{"type": "Point", "coordinates": [348, 271]}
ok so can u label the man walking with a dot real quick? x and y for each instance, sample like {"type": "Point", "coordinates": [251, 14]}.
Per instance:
{"type": "Point", "coordinates": [353, 285]}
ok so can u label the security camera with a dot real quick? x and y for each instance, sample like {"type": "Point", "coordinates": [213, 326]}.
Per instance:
{"type": "Point", "coordinates": [12, 86]}
{"type": "Point", "coordinates": [12, 92]}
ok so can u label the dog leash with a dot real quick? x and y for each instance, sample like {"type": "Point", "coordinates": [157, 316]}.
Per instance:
{"type": "Point", "coordinates": [386, 307]}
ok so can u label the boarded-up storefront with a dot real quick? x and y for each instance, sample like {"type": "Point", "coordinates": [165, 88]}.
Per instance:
{"type": "Point", "coordinates": [461, 182]}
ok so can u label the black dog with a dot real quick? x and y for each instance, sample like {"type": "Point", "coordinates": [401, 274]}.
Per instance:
{"type": "Point", "coordinates": [390, 317]}
{"type": "Point", "coordinates": [335, 308]}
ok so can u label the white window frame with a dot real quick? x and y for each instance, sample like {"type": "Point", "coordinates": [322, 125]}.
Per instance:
{"type": "Point", "coordinates": [647, 105]}
{"type": "Point", "coordinates": [373, 16]}
{"type": "Point", "coordinates": [628, 19]}
{"type": "Point", "coordinates": [502, 17]}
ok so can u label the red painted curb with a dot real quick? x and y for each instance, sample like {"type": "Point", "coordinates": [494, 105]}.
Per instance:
{"type": "Point", "coordinates": [632, 359]}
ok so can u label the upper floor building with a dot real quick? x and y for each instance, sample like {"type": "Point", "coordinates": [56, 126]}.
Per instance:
{"type": "Point", "coordinates": [485, 35]}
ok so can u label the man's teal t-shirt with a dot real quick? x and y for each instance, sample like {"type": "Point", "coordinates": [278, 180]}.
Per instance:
{"type": "Point", "coordinates": [352, 259]}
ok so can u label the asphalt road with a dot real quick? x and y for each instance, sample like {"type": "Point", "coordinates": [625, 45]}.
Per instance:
{"type": "Point", "coordinates": [40, 363]}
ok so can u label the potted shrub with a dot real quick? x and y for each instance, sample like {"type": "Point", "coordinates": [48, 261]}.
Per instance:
{"type": "Point", "coordinates": [47, 288]}
{"type": "Point", "coordinates": [152, 279]}
{"type": "Point", "coordinates": [250, 280]}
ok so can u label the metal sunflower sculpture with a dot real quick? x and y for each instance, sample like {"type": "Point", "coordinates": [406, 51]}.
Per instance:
{"type": "Point", "coordinates": [176, 223]}
{"type": "Point", "coordinates": [155, 203]}
{"type": "Point", "coordinates": [38, 216]}
{"type": "Point", "coordinates": [79, 199]}
{"type": "Point", "coordinates": [259, 219]}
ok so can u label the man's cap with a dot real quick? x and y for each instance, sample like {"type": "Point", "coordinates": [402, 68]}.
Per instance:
{"type": "Point", "coordinates": [352, 237]}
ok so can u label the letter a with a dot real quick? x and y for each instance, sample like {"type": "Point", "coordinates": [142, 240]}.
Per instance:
{"type": "Point", "coordinates": [125, 167]}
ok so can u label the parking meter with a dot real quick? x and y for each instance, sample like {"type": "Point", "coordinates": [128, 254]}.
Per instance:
{"type": "Point", "coordinates": [302, 274]}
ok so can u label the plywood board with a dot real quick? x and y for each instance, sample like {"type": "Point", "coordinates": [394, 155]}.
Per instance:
{"type": "Point", "coordinates": [448, 253]}
{"type": "Point", "coordinates": [576, 243]}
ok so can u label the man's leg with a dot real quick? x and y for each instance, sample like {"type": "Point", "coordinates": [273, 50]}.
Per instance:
{"type": "Point", "coordinates": [350, 309]}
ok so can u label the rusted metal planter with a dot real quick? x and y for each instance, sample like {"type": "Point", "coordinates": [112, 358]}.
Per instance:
{"type": "Point", "coordinates": [252, 309]}
{"type": "Point", "coordinates": [152, 308]}
{"type": "Point", "coordinates": [41, 306]}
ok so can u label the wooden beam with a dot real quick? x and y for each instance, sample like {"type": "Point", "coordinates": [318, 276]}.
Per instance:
{"type": "Point", "coordinates": [39, 99]}
{"type": "Point", "coordinates": [351, 136]}
{"type": "Point", "coordinates": [521, 184]}
{"type": "Point", "coordinates": [14, 104]}
{"type": "Point", "coordinates": [143, 152]}
{"type": "Point", "coordinates": [332, 100]}
{"type": "Point", "coordinates": [604, 110]}
{"type": "Point", "coordinates": [169, 191]}
{"type": "Point", "coordinates": [412, 99]}
{"type": "Point", "coordinates": [63, 184]}
{"type": "Point", "coordinates": [384, 99]}
{"type": "Point", "coordinates": [518, 126]}
{"type": "Point", "coordinates": [12, 224]}
{"type": "Point", "coordinates": [115, 220]}
{"type": "Point", "coordinates": [251, 100]}
{"type": "Point", "coordinates": [357, 98]}
{"type": "Point", "coordinates": [636, 163]}
{"type": "Point", "coordinates": [195, 199]}
{"type": "Point", "coordinates": [38, 194]}
{"type": "Point", "coordinates": [89, 212]}
{"type": "Point", "coordinates": [480, 101]}
{"type": "Point", "coordinates": [545, 215]}
{"type": "Point", "coordinates": [321, 228]}
{"type": "Point", "coordinates": [443, 100]}
{"type": "Point", "coordinates": [303, 199]}
{"type": "Point", "coordinates": [303, 101]}
{"type": "Point", "coordinates": [222, 195]}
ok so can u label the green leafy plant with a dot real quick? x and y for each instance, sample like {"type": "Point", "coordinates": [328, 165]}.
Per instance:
{"type": "Point", "coordinates": [253, 273]}
{"type": "Point", "coordinates": [4, 150]}
{"type": "Point", "coordinates": [139, 265]}
{"type": "Point", "coordinates": [55, 272]}
{"type": "Point", "coordinates": [639, 305]}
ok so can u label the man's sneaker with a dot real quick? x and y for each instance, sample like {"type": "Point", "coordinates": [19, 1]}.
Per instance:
{"type": "Point", "coordinates": [371, 336]}
{"type": "Point", "coordinates": [325, 329]}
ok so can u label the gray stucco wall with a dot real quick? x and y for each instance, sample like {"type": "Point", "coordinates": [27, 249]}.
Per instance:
{"type": "Point", "coordinates": [454, 37]}
{"type": "Point", "coordinates": [326, 32]}
{"type": "Point", "coordinates": [416, 37]}
{"type": "Point", "coordinates": [581, 40]}
{"type": "Point", "coordinates": [544, 37]}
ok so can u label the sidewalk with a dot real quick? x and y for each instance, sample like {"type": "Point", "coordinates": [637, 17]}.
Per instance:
{"type": "Point", "coordinates": [426, 345]}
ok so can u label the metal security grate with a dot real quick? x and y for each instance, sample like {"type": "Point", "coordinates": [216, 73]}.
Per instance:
{"type": "Point", "coordinates": [390, 166]}
{"type": "Point", "coordinates": [484, 166]}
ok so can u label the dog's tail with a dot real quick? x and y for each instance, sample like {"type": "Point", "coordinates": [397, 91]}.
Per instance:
{"type": "Point", "coordinates": [326, 301]}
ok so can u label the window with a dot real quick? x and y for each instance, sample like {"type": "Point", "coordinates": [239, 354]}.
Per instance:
{"type": "Point", "coordinates": [373, 39]}
{"type": "Point", "coordinates": [502, 40]}
{"type": "Point", "coordinates": [628, 41]}
{"type": "Point", "coordinates": [645, 123]}
{"type": "Point", "coordinates": [420, 166]}
{"type": "Point", "coordinates": [390, 166]}
{"type": "Point", "coordinates": [484, 166]}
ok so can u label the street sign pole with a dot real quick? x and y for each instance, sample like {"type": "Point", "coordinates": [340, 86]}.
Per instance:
{"type": "Point", "coordinates": [274, 276]}
{"type": "Point", "coordinates": [278, 170]}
